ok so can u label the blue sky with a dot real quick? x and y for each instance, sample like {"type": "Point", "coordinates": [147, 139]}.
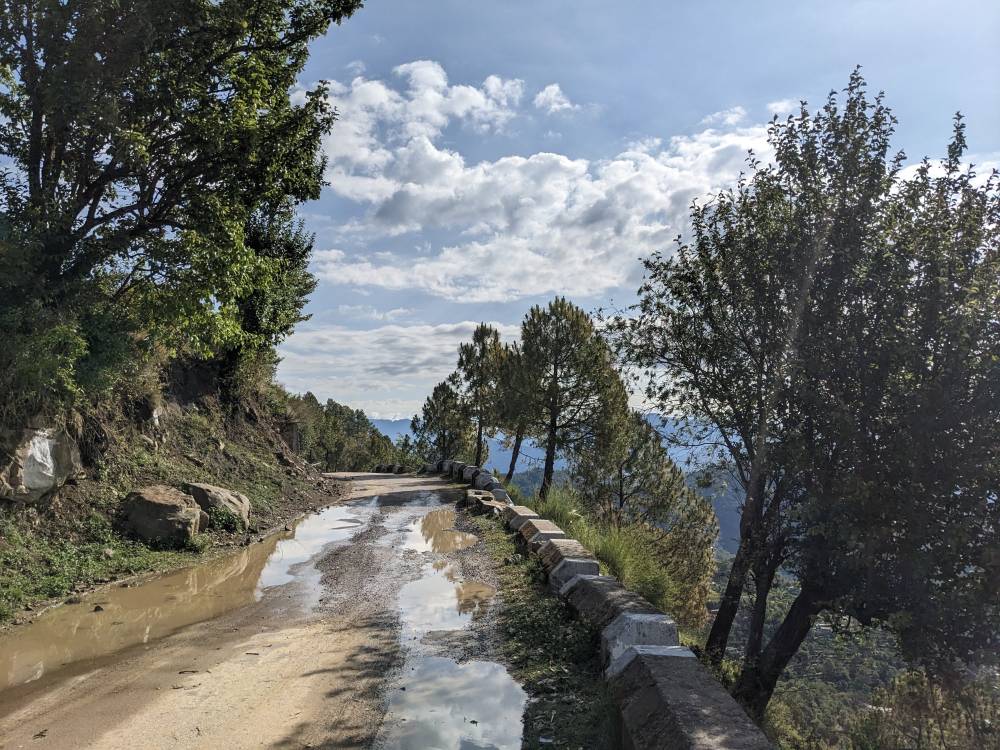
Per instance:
{"type": "Point", "coordinates": [492, 155]}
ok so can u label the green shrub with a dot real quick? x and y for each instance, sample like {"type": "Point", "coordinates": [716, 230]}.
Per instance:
{"type": "Point", "coordinates": [225, 520]}
{"type": "Point", "coordinates": [629, 553]}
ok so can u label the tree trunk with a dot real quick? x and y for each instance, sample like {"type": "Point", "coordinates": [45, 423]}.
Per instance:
{"type": "Point", "coordinates": [763, 578]}
{"type": "Point", "coordinates": [620, 511]}
{"type": "Point", "coordinates": [550, 461]}
{"type": "Point", "coordinates": [729, 604]}
{"type": "Point", "coordinates": [479, 443]}
{"type": "Point", "coordinates": [518, 437]}
{"type": "Point", "coordinates": [756, 683]}
{"type": "Point", "coordinates": [718, 639]}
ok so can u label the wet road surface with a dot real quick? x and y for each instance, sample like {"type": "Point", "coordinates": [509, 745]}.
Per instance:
{"type": "Point", "coordinates": [362, 627]}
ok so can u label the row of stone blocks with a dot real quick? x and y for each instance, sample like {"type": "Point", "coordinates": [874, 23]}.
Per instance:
{"type": "Point", "coordinates": [475, 477]}
{"type": "Point", "coordinates": [667, 699]}
{"type": "Point", "coordinates": [389, 469]}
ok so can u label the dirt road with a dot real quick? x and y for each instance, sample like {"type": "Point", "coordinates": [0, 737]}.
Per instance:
{"type": "Point", "coordinates": [357, 630]}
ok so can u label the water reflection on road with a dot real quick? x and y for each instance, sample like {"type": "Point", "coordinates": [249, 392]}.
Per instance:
{"type": "Point", "coordinates": [440, 702]}
{"type": "Point", "coordinates": [112, 619]}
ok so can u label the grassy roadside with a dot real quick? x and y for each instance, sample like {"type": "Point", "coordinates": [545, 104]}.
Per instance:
{"type": "Point", "coordinates": [38, 567]}
{"type": "Point", "coordinates": [553, 656]}
{"type": "Point", "coordinates": [629, 554]}
{"type": "Point", "coordinates": [71, 543]}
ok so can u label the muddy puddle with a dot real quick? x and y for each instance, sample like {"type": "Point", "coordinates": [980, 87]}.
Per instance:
{"type": "Point", "coordinates": [112, 619]}
{"type": "Point", "coordinates": [440, 600]}
{"type": "Point", "coordinates": [435, 532]}
{"type": "Point", "coordinates": [440, 702]}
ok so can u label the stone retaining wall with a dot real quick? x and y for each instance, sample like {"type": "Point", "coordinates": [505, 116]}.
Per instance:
{"type": "Point", "coordinates": [666, 698]}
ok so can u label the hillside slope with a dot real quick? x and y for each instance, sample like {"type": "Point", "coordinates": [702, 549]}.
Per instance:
{"type": "Point", "coordinates": [74, 539]}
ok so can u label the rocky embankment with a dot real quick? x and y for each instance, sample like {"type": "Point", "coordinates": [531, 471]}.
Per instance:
{"type": "Point", "coordinates": [78, 510]}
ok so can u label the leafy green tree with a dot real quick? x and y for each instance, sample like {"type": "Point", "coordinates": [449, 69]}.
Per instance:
{"type": "Point", "coordinates": [337, 437]}
{"type": "Point", "coordinates": [513, 402]}
{"type": "Point", "coordinates": [478, 367]}
{"type": "Point", "coordinates": [826, 328]}
{"type": "Point", "coordinates": [717, 324]}
{"type": "Point", "coordinates": [444, 428]}
{"type": "Point", "coordinates": [900, 525]}
{"type": "Point", "coordinates": [900, 405]}
{"type": "Point", "coordinates": [624, 474]}
{"type": "Point", "coordinates": [573, 382]}
{"type": "Point", "coordinates": [917, 712]}
{"type": "Point", "coordinates": [138, 140]}
{"type": "Point", "coordinates": [408, 452]}
{"type": "Point", "coordinates": [272, 306]}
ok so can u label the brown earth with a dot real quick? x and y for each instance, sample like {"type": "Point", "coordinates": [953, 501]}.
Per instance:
{"type": "Point", "coordinates": [308, 665]}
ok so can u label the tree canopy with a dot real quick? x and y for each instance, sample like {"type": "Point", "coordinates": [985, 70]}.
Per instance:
{"type": "Point", "coordinates": [572, 379]}
{"type": "Point", "coordinates": [831, 328]}
{"type": "Point", "coordinates": [444, 429]}
{"type": "Point", "coordinates": [143, 143]}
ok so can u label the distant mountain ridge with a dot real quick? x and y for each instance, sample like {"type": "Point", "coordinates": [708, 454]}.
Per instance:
{"type": "Point", "coordinates": [499, 457]}
{"type": "Point", "coordinates": [392, 428]}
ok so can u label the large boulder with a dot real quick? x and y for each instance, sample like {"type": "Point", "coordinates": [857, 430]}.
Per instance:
{"type": "Point", "coordinates": [163, 516]}
{"type": "Point", "coordinates": [40, 461]}
{"type": "Point", "coordinates": [212, 499]}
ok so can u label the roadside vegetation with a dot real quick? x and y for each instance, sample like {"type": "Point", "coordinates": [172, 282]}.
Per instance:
{"type": "Point", "coordinates": [74, 541]}
{"type": "Point", "coordinates": [553, 655]}
{"type": "Point", "coordinates": [663, 567]}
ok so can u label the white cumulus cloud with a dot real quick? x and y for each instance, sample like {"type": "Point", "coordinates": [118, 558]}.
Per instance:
{"type": "Point", "coordinates": [783, 107]}
{"type": "Point", "coordinates": [386, 370]}
{"type": "Point", "coordinates": [369, 312]}
{"type": "Point", "coordinates": [552, 100]}
{"type": "Point", "coordinates": [731, 116]}
{"type": "Point", "coordinates": [512, 227]}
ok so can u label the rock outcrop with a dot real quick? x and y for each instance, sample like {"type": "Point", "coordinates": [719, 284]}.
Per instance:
{"type": "Point", "coordinates": [211, 498]}
{"type": "Point", "coordinates": [41, 461]}
{"type": "Point", "coordinates": [163, 516]}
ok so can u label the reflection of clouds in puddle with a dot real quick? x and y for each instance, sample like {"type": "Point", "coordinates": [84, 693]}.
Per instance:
{"type": "Point", "coordinates": [309, 537]}
{"type": "Point", "coordinates": [440, 600]}
{"type": "Point", "coordinates": [443, 704]}
{"type": "Point", "coordinates": [435, 532]}
{"type": "Point", "coordinates": [455, 706]}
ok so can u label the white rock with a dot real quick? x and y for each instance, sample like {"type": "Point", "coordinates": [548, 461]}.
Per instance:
{"type": "Point", "coordinates": [42, 461]}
